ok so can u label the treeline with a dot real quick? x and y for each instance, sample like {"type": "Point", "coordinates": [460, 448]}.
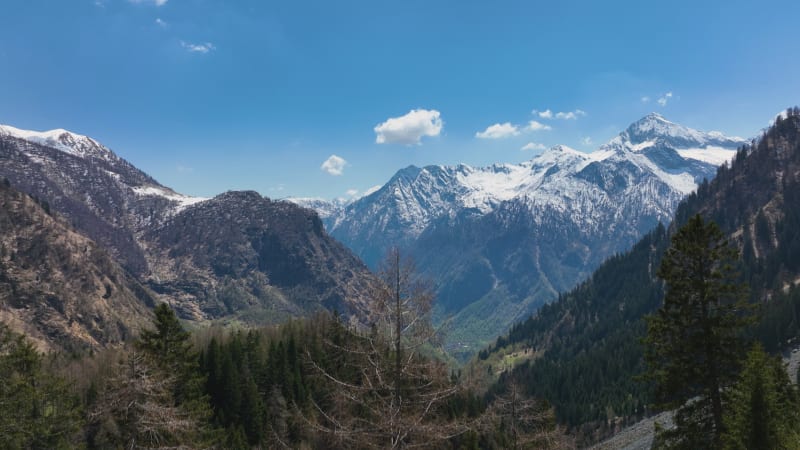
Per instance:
{"type": "Point", "coordinates": [263, 388]}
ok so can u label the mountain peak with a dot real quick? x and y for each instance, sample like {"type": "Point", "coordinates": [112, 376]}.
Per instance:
{"type": "Point", "coordinates": [407, 173]}
{"type": "Point", "coordinates": [60, 139]}
{"type": "Point", "coordinates": [561, 148]}
{"type": "Point", "coordinates": [654, 116]}
{"type": "Point", "coordinates": [655, 129]}
{"type": "Point", "coordinates": [655, 125]}
{"type": "Point", "coordinates": [557, 153]}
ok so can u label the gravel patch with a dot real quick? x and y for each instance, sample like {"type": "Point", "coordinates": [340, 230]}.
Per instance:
{"type": "Point", "coordinates": [638, 436]}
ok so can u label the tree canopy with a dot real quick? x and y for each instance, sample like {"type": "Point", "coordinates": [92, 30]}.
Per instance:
{"type": "Point", "coordinates": [694, 342]}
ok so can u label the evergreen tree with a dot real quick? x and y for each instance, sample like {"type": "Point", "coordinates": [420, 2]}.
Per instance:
{"type": "Point", "coordinates": [169, 350]}
{"type": "Point", "coordinates": [137, 410]}
{"type": "Point", "coordinates": [37, 408]}
{"type": "Point", "coordinates": [763, 406]}
{"type": "Point", "coordinates": [169, 347]}
{"type": "Point", "coordinates": [693, 341]}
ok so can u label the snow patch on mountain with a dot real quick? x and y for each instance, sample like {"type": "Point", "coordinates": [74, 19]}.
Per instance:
{"type": "Point", "coordinates": [710, 154]}
{"type": "Point", "coordinates": [324, 208]}
{"type": "Point", "coordinates": [182, 201]}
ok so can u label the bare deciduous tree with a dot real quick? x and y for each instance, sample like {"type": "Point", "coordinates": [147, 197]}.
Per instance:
{"type": "Point", "coordinates": [137, 410]}
{"type": "Point", "coordinates": [523, 421]}
{"type": "Point", "coordinates": [394, 396]}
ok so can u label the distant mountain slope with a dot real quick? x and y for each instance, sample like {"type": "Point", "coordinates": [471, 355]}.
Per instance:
{"type": "Point", "coordinates": [502, 240]}
{"type": "Point", "coordinates": [584, 349]}
{"type": "Point", "coordinates": [177, 244]}
{"type": "Point", "coordinates": [243, 254]}
{"type": "Point", "coordinates": [59, 287]}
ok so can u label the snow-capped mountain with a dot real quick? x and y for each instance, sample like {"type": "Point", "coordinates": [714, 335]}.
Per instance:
{"type": "Point", "coordinates": [88, 149]}
{"type": "Point", "coordinates": [653, 156]}
{"type": "Point", "coordinates": [238, 254]}
{"type": "Point", "coordinates": [103, 194]}
{"type": "Point", "coordinates": [324, 208]}
{"type": "Point", "coordinates": [548, 221]}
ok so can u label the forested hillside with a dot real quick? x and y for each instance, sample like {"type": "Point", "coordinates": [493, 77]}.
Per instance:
{"type": "Point", "coordinates": [59, 287]}
{"type": "Point", "coordinates": [310, 383]}
{"type": "Point", "coordinates": [584, 351]}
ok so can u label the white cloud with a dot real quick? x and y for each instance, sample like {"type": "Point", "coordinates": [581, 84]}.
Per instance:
{"type": "Point", "coordinates": [570, 115]}
{"type": "Point", "coordinates": [154, 2]}
{"type": "Point", "coordinates": [161, 23]}
{"type": "Point", "coordinates": [351, 192]}
{"type": "Point", "coordinates": [664, 99]}
{"type": "Point", "coordinates": [586, 141]}
{"type": "Point", "coordinates": [410, 128]}
{"type": "Point", "coordinates": [645, 99]}
{"type": "Point", "coordinates": [537, 126]}
{"type": "Point", "coordinates": [334, 165]}
{"type": "Point", "coordinates": [198, 48]}
{"type": "Point", "coordinates": [533, 146]}
{"type": "Point", "coordinates": [184, 169]}
{"type": "Point", "coordinates": [498, 131]}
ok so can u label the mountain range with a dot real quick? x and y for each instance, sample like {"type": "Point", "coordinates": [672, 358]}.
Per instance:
{"type": "Point", "coordinates": [502, 240]}
{"type": "Point", "coordinates": [237, 256]}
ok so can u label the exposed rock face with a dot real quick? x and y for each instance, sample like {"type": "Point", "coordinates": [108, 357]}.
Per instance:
{"type": "Point", "coordinates": [59, 287]}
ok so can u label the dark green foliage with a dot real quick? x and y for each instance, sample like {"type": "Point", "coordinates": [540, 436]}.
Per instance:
{"type": "Point", "coordinates": [257, 381]}
{"type": "Point", "coordinates": [169, 349]}
{"type": "Point", "coordinates": [694, 341]}
{"type": "Point", "coordinates": [154, 396]}
{"type": "Point", "coordinates": [763, 411]}
{"type": "Point", "coordinates": [37, 408]}
{"type": "Point", "coordinates": [136, 409]}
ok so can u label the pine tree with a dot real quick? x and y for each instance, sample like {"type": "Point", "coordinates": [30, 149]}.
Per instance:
{"type": "Point", "coordinates": [37, 408]}
{"type": "Point", "coordinates": [693, 341]}
{"type": "Point", "coordinates": [137, 410]}
{"type": "Point", "coordinates": [169, 347]}
{"type": "Point", "coordinates": [169, 350]}
{"type": "Point", "coordinates": [763, 406]}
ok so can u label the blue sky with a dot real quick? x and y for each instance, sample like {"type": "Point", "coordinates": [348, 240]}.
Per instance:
{"type": "Point", "coordinates": [208, 96]}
